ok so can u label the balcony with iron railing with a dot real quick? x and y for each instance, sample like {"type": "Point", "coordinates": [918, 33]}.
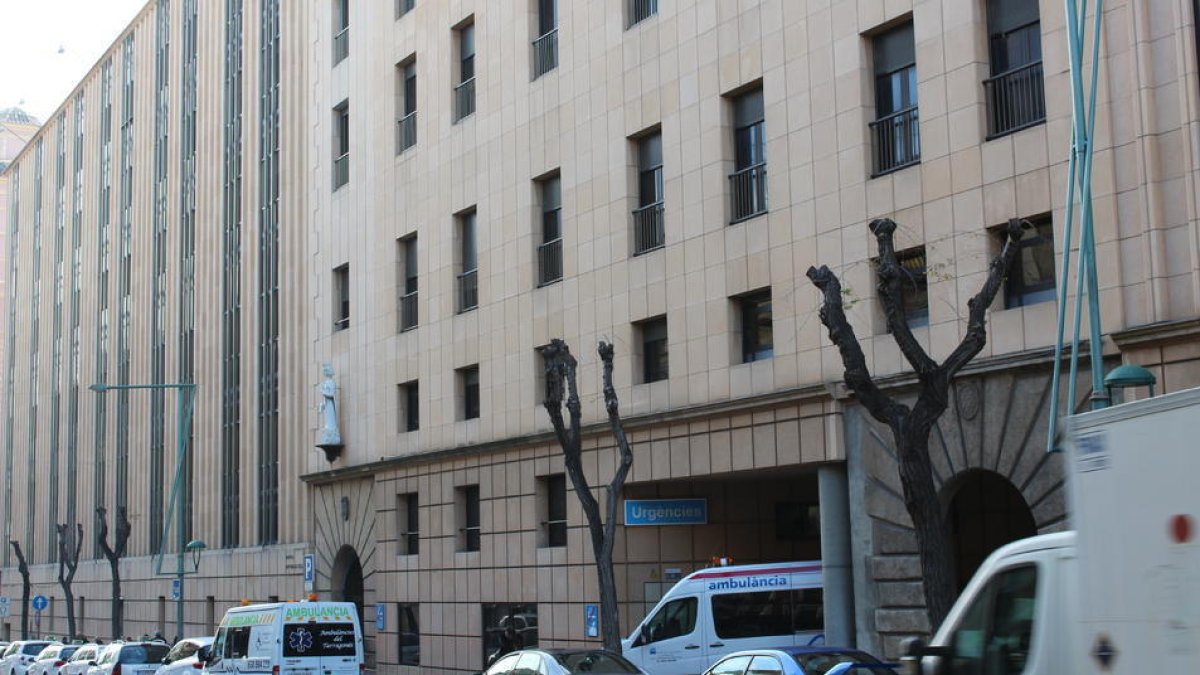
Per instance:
{"type": "Point", "coordinates": [1016, 99]}
{"type": "Point", "coordinates": [896, 141]}
{"type": "Point", "coordinates": [341, 45]}
{"type": "Point", "coordinates": [408, 311]}
{"type": "Point", "coordinates": [748, 192]}
{"type": "Point", "coordinates": [648, 230]}
{"type": "Point", "coordinates": [468, 290]}
{"type": "Point", "coordinates": [545, 53]}
{"type": "Point", "coordinates": [550, 265]}
{"type": "Point", "coordinates": [464, 99]}
{"type": "Point", "coordinates": [640, 10]}
{"type": "Point", "coordinates": [406, 132]}
{"type": "Point", "coordinates": [341, 170]}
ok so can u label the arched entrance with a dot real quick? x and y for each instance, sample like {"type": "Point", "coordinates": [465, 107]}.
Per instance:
{"type": "Point", "coordinates": [347, 579]}
{"type": "Point", "coordinates": [985, 511]}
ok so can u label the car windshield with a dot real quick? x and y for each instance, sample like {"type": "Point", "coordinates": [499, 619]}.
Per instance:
{"type": "Point", "coordinates": [84, 654]}
{"type": "Point", "coordinates": [66, 652]}
{"type": "Point", "coordinates": [47, 653]}
{"type": "Point", "coordinates": [135, 654]}
{"type": "Point", "coordinates": [594, 662]}
{"type": "Point", "coordinates": [819, 663]}
{"type": "Point", "coordinates": [11, 649]}
{"type": "Point", "coordinates": [33, 648]}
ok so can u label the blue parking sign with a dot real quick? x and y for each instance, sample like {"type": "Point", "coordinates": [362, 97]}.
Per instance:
{"type": "Point", "coordinates": [380, 616]}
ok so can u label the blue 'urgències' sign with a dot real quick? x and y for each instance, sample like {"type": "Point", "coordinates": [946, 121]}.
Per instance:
{"type": "Point", "coordinates": [666, 512]}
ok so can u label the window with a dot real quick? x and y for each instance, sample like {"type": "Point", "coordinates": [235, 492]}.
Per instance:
{"type": "Point", "coordinates": [675, 619]}
{"type": "Point", "coordinates": [545, 47]}
{"type": "Point", "coordinates": [468, 281]}
{"type": "Point", "coordinates": [653, 338]}
{"type": "Point", "coordinates": [464, 91]}
{"type": "Point", "coordinates": [498, 618]}
{"type": "Point", "coordinates": [735, 665]}
{"type": "Point", "coordinates": [648, 231]}
{"type": "Point", "coordinates": [640, 10]}
{"type": "Point", "coordinates": [1015, 96]}
{"type": "Point", "coordinates": [409, 629]}
{"type": "Point", "coordinates": [468, 383]}
{"type": "Point", "coordinates": [552, 507]}
{"type": "Point", "coordinates": [406, 121]}
{"type": "Point", "coordinates": [408, 538]}
{"type": "Point", "coordinates": [466, 504]}
{"type": "Point", "coordinates": [996, 633]}
{"type": "Point", "coordinates": [408, 286]}
{"type": "Point", "coordinates": [782, 612]}
{"type": "Point", "coordinates": [1031, 279]}
{"type": "Point", "coordinates": [404, 7]}
{"type": "Point", "coordinates": [550, 263]}
{"type": "Point", "coordinates": [410, 406]}
{"type": "Point", "coordinates": [748, 183]}
{"type": "Point", "coordinates": [758, 341]}
{"type": "Point", "coordinates": [341, 35]}
{"type": "Point", "coordinates": [895, 134]}
{"type": "Point", "coordinates": [914, 286]}
{"type": "Point", "coordinates": [341, 297]}
{"type": "Point", "coordinates": [341, 145]}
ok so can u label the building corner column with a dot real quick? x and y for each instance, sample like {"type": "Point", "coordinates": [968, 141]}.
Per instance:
{"type": "Point", "coordinates": [833, 490]}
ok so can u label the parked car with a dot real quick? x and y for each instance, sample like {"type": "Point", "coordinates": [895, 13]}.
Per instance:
{"type": "Point", "coordinates": [130, 658]}
{"type": "Point", "coordinates": [562, 662]}
{"type": "Point", "coordinates": [81, 660]}
{"type": "Point", "coordinates": [801, 661]}
{"type": "Point", "coordinates": [51, 660]}
{"type": "Point", "coordinates": [20, 654]}
{"type": "Point", "coordinates": [185, 658]}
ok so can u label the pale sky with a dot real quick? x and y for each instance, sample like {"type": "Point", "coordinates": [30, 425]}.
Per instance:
{"type": "Point", "coordinates": [47, 46]}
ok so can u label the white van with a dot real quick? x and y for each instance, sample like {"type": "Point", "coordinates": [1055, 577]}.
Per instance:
{"type": "Point", "coordinates": [721, 610]}
{"type": "Point", "coordinates": [288, 638]}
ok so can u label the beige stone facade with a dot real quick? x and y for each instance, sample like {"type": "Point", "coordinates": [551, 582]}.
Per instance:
{"type": "Point", "coordinates": [358, 180]}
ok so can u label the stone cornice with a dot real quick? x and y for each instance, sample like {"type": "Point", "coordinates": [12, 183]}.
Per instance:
{"type": "Point", "coordinates": [1157, 332]}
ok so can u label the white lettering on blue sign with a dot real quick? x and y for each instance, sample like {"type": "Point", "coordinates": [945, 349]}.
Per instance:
{"type": "Point", "coordinates": [309, 567]}
{"type": "Point", "coordinates": [666, 511]}
{"type": "Point", "coordinates": [748, 582]}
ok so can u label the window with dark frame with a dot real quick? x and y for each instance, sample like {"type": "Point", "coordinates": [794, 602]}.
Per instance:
{"type": "Point", "coordinates": [341, 146]}
{"type": "Point", "coordinates": [640, 10]}
{"type": "Point", "coordinates": [341, 35]}
{"type": "Point", "coordinates": [655, 355]}
{"type": "Point", "coordinates": [408, 290]}
{"type": "Point", "coordinates": [1032, 277]}
{"type": "Point", "coordinates": [914, 286]}
{"type": "Point", "coordinates": [406, 123]}
{"type": "Point", "coordinates": [748, 183]}
{"type": "Point", "coordinates": [648, 231]}
{"type": "Point", "coordinates": [1015, 93]}
{"type": "Point", "coordinates": [408, 535]}
{"type": "Point", "coordinates": [550, 250]}
{"type": "Point", "coordinates": [554, 516]}
{"type": "Point", "coordinates": [758, 341]}
{"type": "Point", "coordinates": [895, 132]}
{"type": "Point", "coordinates": [497, 618]}
{"type": "Point", "coordinates": [469, 386]}
{"type": "Point", "coordinates": [408, 629]}
{"type": "Point", "coordinates": [545, 47]}
{"type": "Point", "coordinates": [341, 297]}
{"type": "Point", "coordinates": [464, 91]}
{"type": "Point", "coordinates": [404, 7]}
{"type": "Point", "coordinates": [468, 506]}
{"type": "Point", "coordinates": [410, 406]}
{"type": "Point", "coordinates": [468, 281]}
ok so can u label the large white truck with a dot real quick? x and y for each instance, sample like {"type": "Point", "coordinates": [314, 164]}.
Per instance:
{"type": "Point", "coordinates": [1118, 595]}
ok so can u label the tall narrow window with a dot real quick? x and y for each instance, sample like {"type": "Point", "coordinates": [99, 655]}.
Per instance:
{"type": "Point", "coordinates": [640, 10]}
{"type": "Point", "coordinates": [231, 295]}
{"type": "Point", "coordinates": [408, 538]}
{"type": "Point", "coordinates": [410, 406]}
{"type": "Point", "coordinates": [341, 28]}
{"type": "Point", "coordinates": [409, 629]}
{"type": "Point", "coordinates": [550, 251]}
{"type": "Point", "coordinates": [186, 262]}
{"type": "Point", "coordinates": [914, 286]}
{"type": "Point", "coordinates": [895, 133]}
{"type": "Point", "coordinates": [406, 124]}
{"type": "Point", "coordinates": [653, 337]}
{"type": "Point", "coordinates": [758, 341]}
{"type": "Point", "coordinates": [404, 7]}
{"type": "Point", "coordinates": [1016, 98]}
{"type": "Point", "coordinates": [1031, 279]}
{"type": "Point", "coordinates": [466, 504]}
{"type": "Point", "coordinates": [464, 91]}
{"type": "Point", "coordinates": [341, 145]}
{"type": "Point", "coordinates": [552, 506]}
{"type": "Point", "coordinates": [468, 387]}
{"type": "Point", "coordinates": [748, 183]}
{"type": "Point", "coordinates": [545, 47]}
{"type": "Point", "coordinates": [341, 297]}
{"type": "Point", "coordinates": [468, 280]}
{"type": "Point", "coordinates": [648, 231]}
{"type": "Point", "coordinates": [408, 276]}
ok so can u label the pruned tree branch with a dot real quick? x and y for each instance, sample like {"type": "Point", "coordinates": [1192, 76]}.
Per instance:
{"type": "Point", "coordinates": [68, 561]}
{"type": "Point", "coordinates": [611, 405]}
{"type": "Point", "coordinates": [890, 276]}
{"type": "Point", "coordinates": [23, 569]}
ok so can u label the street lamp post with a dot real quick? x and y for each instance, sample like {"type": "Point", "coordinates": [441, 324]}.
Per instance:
{"type": "Point", "coordinates": [184, 404]}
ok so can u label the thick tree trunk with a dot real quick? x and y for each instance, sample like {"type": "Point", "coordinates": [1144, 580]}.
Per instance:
{"type": "Point", "coordinates": [114, 554]}
{"type": "Point", "coordinates": [23, 568]}
{"type": "Point", "coordinates": [929, 523]}
{"type": "Point", "coordinates": [68, 561]}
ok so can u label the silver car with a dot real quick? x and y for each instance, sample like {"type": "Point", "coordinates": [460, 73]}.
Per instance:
{"type": "Point", "coordinates": [184, 657]}
{"type": "Point", "coordinates": [130, 658]}
{"type": "Point", "coordinates": [81, 660]}
{"type": "Point", "coordinates": [51, 660]}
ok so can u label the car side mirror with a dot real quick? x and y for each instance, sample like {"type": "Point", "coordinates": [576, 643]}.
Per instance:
{"type": "Point", "coordinates": [91, 663]}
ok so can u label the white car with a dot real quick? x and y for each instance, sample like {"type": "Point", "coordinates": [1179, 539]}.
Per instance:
{"type": "Point", "coordinates": [20, 654]}
{"type": "Point", "coordinates": [801, 661]}
{"type": "Point", "coordinates": [563, 662]}
{"type": "Point", "coordinates": [51, 660]}
{"type": "Point", "coordinates": [81, 660]}
{"type": "Point", "coordinates": [130, 658]}
{"type": "Point", "coordinates": [184, 657]}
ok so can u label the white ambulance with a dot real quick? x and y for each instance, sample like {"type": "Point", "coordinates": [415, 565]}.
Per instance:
{"type": "Point", "coordinates": [288, 638]}
{"type": "Point", "coordinates": [721, 610]}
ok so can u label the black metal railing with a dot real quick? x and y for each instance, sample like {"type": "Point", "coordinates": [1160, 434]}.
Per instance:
{"type": "Point", "coordinates": [468, 290]}
{"type": "Point", "coordinates": [341, 45]}
{"type": "Point", "coordinates": [640, 10]}
{"type": "Point", "coordinates": [748, 192]}
{"type": "Point", "coordinates": [896, 141]}
{"type": "Point", "coordinates": [545, 53]}
{"type": "Point", "coordinates": [341, 170]}
{"type": "Point", "coordinates": [1016, 99]}
{"type": "Point", "coordinates": [648, 232]}
{"type": "Point", "coordinates": [406, 132]}
{"type": "Point", "coordinates": [550, 265]}
{"type": "Point", "coordinates": [464, 99]}
{"type": "Point", "coordinates": [408, 311]}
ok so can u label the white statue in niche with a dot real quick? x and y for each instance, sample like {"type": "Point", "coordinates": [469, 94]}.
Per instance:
{"type": "Point", "coordinates": [331, 437]}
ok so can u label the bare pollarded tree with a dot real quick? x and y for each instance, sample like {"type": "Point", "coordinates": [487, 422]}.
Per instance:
{"type": "Point", "coordinates": [561, 379]}
{"type": "Point", "coordinates": [911, 427]}
{"type": "Point", "coordinates": [69, 544]}
{"type": "Point", "coordinates": [23, 568]}
{"type": "Point", "coordinates": [113, 553]}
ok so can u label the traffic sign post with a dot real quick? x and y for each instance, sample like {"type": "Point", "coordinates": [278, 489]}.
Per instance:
{"type": "Point", "coordinates": [310, 572]}
{"type": "Point", "coordinates": [5, 608]}
{"type": "Point", "coordinates": [39, 603]}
